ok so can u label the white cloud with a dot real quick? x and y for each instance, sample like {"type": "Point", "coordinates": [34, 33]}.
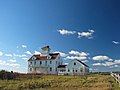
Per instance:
{"type": "Point", "coordinates": [24, 46]}
{"type": "Point", "coordinates": [97, 64]}
{"type": "Point", "coordinates": [84, 61]}
{"type": "Point", "coordinates": [1, 53]}
{"type": "Point", "coordinates": [66, 32]}
{"type": "Point", "coordinates": [37, 52]}
{"type": "Point", "coordinates": [16, 55]}
{"type": "Point", "coordinates": [75, 57]}
{"type": "Point", "coordinates": [116, 66]}
{"type": "Point", "coordinates": [28, 52]}
{"type": "Point", "coordinates": [2, 62]}
{"type": "Point", "coordinates": [110, 59]}
{"type": "Point", "coordinates": [87, 34]}
{"type": "Point", "coordinates": [117, 61]}
{"type": "Point", "coordinates": [25, 59]}
{"type": "Point", "coordinates": [12, 60]}
{"type": "Point", "coordinates": [82, 54]}
{"type": "Point", "coordinates": [101, 58]}
{"type": "Point", "coordinates": [107, 63]}
{"type": "Point", "coordinates": [15, 65]}
{"type": "Point", "coordinates": [61, 53]}
{"type": "Point", "coordinates": [115, 42]}
{"type": "Point", "coordinates": [8, 55]}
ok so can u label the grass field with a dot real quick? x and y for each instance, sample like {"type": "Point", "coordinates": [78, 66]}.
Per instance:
{"type": "Point", "coordinates": [87, 82]}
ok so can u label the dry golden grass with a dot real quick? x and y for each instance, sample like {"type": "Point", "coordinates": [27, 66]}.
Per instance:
{"type": "Point", "coordinates": [87, 82]}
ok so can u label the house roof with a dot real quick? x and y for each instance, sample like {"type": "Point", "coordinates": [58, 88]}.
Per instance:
{"type": "Point", "coordinates": [38, 57]}
{"type": "Point", "coordinates": [61, 66]}
{"type": "Point", "coordinates": [82, 63]}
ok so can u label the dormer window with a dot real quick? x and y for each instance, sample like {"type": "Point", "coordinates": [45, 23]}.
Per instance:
{"type": "Point", "coordinates": [33, 58]}
{"type": "Point", "coordinates": [48, 57]}
{"type": "Point", "coordinates": [74, 63]}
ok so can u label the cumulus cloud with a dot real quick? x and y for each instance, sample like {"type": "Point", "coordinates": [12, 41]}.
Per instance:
{"type": "Point", "coordinates": [97, 64]}
{"type": "Point", "coordinates": [4, 63]}
{"type": "Point", "coordinates": [75, 57]}
{"type": "Point", "coordinates": [16, 55]}
{"type": "Point", "coordinates": [28, 52]}
{"type": "Point", "coordinates": [108, 63]}
{"type": "Point", "coordinates": [15, 65]}
{"type": "Point", "coordinates": [100, 58]}
{"type": "Point", "coordinates": [116, 66]}
{"type": "Point", "coordinates": [25, 59]}
{"type": "Point", "coordinates": [84, 61]}
{"type": "Point", "coordinates": [103, 64]}
{"type": "Point", "coordinates": [88, 34]}
{"type": "Point", "coordinates": [24, 46]}
{"type": "Point", "coordinates": [66, 32]}
{"type": "Point", "coordinates": [82, 54]}
{"type": "Point", "coordinates": [1, 53]}
{"type": "Point", "coordinates": [8, 55]}
{"type": "Point", "coordinates": [61, 53]}
{"type": "Point", "coordinates": [12, 60]}
{"type": "Point", "coordinates": [117, 61]}
{"type": "Point", "coordinates": [115, 42]}
{"type": "Point", "coordinates": [37, 52]}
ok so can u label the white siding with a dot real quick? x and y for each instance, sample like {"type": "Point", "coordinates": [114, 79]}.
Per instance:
{"type": "Point", "coordinates": [74, 68]}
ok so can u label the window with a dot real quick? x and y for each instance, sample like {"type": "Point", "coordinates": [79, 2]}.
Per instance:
{"type": "Point", "coordinates": [81, 69]}
{"type": "Point", "coordinates": [45, 63]}
{"type": "Point", "coordinates": [74, 63]}
{"type": "Point", "coordinates": [68, 70]}
{"type": "Point", "coordinates": [30, 62]}
{"type": "Point", "coordinates": [40, 62]}
{"type": "Point", "coordinates": [50, 69]}
{"type": "Point", "coordinates": [59, 57]}
{"type": "Point", "coordinates": [35, 63]}
{"type": "Point", "coordinates": [56, 62]}
{"type": "Point", "coordinates": [75, 70]}
{"type": "Point", "coordinates": [50, 62]}
{"type": "Point", "coordinates": [30, 69]}
{"type": "Point", "coordinates": [35, 69]}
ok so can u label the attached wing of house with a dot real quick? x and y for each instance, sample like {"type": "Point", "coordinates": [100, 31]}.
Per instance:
{"type": "Point", "coordinates": [75, 67]}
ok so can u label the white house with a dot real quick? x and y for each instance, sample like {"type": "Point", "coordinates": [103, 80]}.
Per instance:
{"type": "Point", "coordinates": [46, 63]}
{"type": "Point", "coordinates": [75, 67]}
{"type": "Point", "coordinates": [51, 63]}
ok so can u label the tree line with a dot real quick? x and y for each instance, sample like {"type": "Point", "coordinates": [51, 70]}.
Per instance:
{"type": "Point", "coordinates": [6, 75]}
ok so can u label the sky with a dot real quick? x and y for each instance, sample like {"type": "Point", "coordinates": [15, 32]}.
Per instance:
{"type": "Point", "coordinates": [87, 30]}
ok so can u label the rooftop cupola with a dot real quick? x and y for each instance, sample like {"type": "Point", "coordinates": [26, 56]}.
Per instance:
{"type": "Point", "coordinates": [45, 51]}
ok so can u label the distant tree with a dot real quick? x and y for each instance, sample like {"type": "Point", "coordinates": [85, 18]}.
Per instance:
{"type": "Point", "coordinates": [7, 75]}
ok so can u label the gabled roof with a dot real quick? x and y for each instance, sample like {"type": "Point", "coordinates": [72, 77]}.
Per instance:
{"type": "Point", "coordinates": [61, 66]}
{"type": "Point", "coordinates": [82, 63]}
{"type": "Point", "coordinates": [38, 57]}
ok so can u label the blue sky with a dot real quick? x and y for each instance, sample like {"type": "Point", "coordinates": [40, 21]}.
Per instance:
{"type": "Point", "coordinates": [84, 29]}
